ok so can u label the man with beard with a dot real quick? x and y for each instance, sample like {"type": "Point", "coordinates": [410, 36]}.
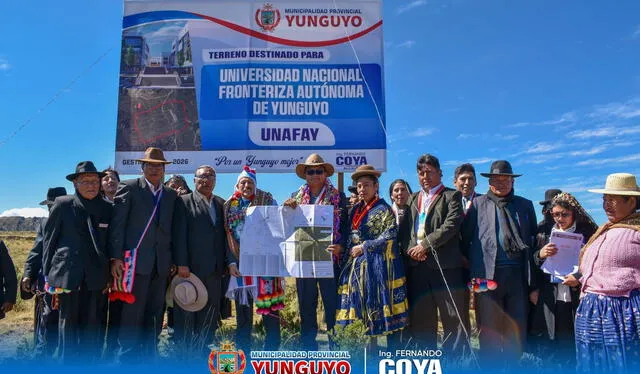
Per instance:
{"type": "Point", "coordinates": [75, 264]}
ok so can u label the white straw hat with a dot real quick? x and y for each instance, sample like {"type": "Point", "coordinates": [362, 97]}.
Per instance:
{"type": "Point", "coordinates": [620, 184]}
{"type": "Point", "coordinates": [189, 293]}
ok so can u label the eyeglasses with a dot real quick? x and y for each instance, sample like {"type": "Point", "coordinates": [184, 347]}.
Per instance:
{"type": "Point", "coordinates": [314, 171]}
{"type": "Point", "coordinates": [89, 183]}
{"type": "Point", "coordinates": [206, 176]}
{"type": "Point", "coordinates": [563, 215]}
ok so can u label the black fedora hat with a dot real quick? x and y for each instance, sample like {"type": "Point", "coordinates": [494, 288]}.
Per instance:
{"type": "Point", "coordinates": [52, 193]}
{"type": "Point", "coordinates": [549, 195]}
{"type": "Point", "coordinates": [500, 167]}
{"type": "Point", "coordinates": [85, 167]}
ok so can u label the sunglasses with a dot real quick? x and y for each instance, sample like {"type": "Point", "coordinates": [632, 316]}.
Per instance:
{"type": "Point", "coordinates": [314, 171]}
{"type": "Point", "coordinates": [563, 215]}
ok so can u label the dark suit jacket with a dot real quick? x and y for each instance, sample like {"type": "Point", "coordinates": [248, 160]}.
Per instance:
{"type": "Point", "coordinates": [201, 244]}
{"type": "Point", "coordinates": [442, 227]}
{"type": "Point", "coordinates": [133, 205]}
{"type": "Point", "coordinates": [8, 277]}
{"type": "Point", "coordinates": [482, 235]}
{"type": "Point", "coordinates": [33, 264]}
{"type": "Point", "coordinates": [69, 255]}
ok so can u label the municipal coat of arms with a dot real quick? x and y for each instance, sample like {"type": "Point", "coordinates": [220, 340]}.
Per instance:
{"type": "Point", "coordinates": [227, 359]}
{"type": "Point", "coordinates": [268, 17]}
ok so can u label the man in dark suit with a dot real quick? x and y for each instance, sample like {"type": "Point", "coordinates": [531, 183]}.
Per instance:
{"type": "Point", "coordinates": [45, 331]}
{"type": "Point", "coordinates": [429, 239]}
{"type": "Point", "coordinates": [134, 217]}
{"type": "Point", "coordinates": [75, 263]}
{"type": "Point", "coordinates": [8, 281]}
{"type": "Point", "coordinates": [202, 248]}
{"type": "Point", "coordinates": [501, 239]}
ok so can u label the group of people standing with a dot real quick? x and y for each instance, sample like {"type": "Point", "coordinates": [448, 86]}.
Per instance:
{"type": "Point", "coordinates": [398, 268]}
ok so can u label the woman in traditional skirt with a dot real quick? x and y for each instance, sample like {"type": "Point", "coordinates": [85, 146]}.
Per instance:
{"type": "Point", "coordinates": [608, 317]}
{"type": "Point", "coordinates": [267, 292]}
{"type": "Point", "coordinates": [372, 283]}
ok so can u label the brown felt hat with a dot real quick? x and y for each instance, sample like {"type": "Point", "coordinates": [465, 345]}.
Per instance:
{"type": "Point", "coordinates": [363, 170]}
{"type": "Point", "coordinates": [154, 155]}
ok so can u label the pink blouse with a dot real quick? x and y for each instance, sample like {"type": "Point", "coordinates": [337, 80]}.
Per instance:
{"type": "Point", "coordinates": [611, 264]}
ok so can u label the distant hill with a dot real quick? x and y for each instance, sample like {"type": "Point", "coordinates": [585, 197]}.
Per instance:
{"type": "Point", "coordinates": [19, 223]}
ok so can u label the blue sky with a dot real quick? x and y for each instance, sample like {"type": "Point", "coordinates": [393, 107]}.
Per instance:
{"type": "Point", "coordinates": [552, 86]}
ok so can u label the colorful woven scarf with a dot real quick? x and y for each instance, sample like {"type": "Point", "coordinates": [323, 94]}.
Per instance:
{"type": "Point", "coordinates": [331, 197]}
{"type": "Point", "coordinates": [267, 292]}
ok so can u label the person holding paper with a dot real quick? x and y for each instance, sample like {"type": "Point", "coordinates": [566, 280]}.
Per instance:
{"type": "Point", "coordinates": [560, 299]}
{"type": "Point", "coordinates": [608, 317]}
{"type": "Point", "coordinates": [268, 292]}
{"type": "Point", "coordinates": [372, 283]}
{"type": "Point", "coordinates": [319, 190]}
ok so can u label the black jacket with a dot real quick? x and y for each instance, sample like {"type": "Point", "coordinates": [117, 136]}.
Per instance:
{"type": "Point", "coordinates": [69, 254]}
{"type": "Point", "coordinates": [33, 264]}
{"type": "Point", "coordinates": [201, 244]}
{"type": "Point", "coordinates": [548, 289]}
{"type": "Point", "coordinates": [133, 205]}
{"type": "Point", "coordinates": [8, 277]}
{"type": "Point", "coordinates": [442, 227]}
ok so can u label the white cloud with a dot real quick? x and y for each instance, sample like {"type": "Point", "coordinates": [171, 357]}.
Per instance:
{"type": "Point", "coordinates": [542, 147]}
{"type": "Point", "coordinates": [636, 32]}
{"type": "Point", "coordinates": [411, 5]}
{"type": "Point", "coordinates": [610, 161]}
{"type": "Point", "coordinates": [25, 212]}
{"type": "Point", "coordinates": [473, 161]}
{"type": "Point", "coordinates": [601, 132]}
{"type": "Point", "coordinates": [4, 64]}
{"type": "Point", "coordinates": [616, 110]}
{"type": "Point", "coordinates": [568, 117]}
{"type": "Point", "coordinates": [422, 131]}
{"type": "Point", "coordinates": [406, 44]}
{"type": "Point", "coordinates": [467, 136]}
{"type": "Point", "coordinates": [590, 152]}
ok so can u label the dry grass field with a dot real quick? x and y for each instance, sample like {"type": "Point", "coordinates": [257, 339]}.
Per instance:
{"type": "Point", "coordinates": [17, 328]}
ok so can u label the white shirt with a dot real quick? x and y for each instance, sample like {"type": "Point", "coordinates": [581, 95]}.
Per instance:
{"type": "Point", "coordinates": [428, 197]}
{"type": "Point", "coordinates": [152, 188]}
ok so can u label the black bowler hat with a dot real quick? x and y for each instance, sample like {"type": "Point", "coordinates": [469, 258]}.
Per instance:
{"type": "Point", "coordinates": [52, 193]}
{"type": "Point", "coordinates": [549, 195]}
{"type": "Point", "coordinates": [500, 167]}
{"type": "Point", "coordinates": [85, 167]}
{"type": "Point", "coordinates": [353, 189]}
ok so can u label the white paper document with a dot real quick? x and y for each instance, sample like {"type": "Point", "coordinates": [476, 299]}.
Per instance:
{"type": "Point", "coordinates": [565, 261]}
{"type": "Point", "coordinates": [284, 242]}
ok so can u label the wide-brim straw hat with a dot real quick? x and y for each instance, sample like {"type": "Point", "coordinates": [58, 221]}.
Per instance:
{"type": "Point", "coordinates": [85, 167]}
{"type": "Point", "coordinates": [624, 184]}
{"type": "Point", "coordinates": [314, 160]}
{"type": "Point", "coordinates": [154, 155]}
{"type": "Point", "coordinates": [189, 293]}
{"type": "Point", "coordinates": [500, 167]}
{"type": "Point", "coordinates": [363, 170]}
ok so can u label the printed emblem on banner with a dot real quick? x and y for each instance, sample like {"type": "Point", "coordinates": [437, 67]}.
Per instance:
{"type": "Point", "coordinates": [268, 17]}
{"type": "Point", "coordinates": [227, 359]}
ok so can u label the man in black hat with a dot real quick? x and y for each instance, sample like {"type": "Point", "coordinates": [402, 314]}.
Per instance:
{"type": "Point", "coordinates": [8, 281]}
{"type": "Point", "coordinates": [501, 238]}
{"type": "Point", "coordinates": [45, 332]}
{"type": "Point", "coordinates": [143, 219]}
{"type": "Point", "coordinates": [75, 263]}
